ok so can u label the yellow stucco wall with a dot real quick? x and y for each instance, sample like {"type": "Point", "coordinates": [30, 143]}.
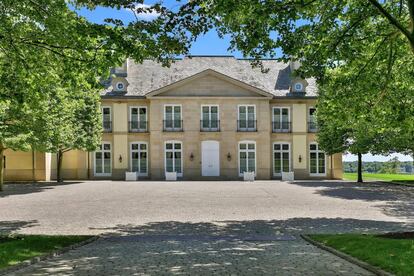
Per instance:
{"type": "Point", "coordinates": [25, 166]}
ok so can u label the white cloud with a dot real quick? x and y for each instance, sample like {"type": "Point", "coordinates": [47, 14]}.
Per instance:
{"type": "Point", "coordinates": [148, 16]}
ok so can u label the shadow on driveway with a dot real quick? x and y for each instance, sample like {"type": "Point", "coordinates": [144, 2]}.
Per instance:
{"type": "Point", "coordinates": [293, 226]}
{"type": "Point", "coordinates": [399, 200]}
{"type": "Point", "coordinates": [11, 189]}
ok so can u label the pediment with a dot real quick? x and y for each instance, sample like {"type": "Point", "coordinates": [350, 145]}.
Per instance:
{"type": "Point", "coordinates": [209, 83]}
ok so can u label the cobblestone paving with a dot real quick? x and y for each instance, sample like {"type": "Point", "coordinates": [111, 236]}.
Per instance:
{"type": "Point", "coordinates": [202, 228]}
{"type": "Point", "coordinates": [116, 256]}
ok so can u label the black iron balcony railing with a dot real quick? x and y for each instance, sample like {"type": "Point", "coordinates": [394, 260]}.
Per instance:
{"type": "Point", "coordinates": [173, 125]}
{"type": "Point", "coordinates": [246, 125]}
{"type": "Point", "coordinates": [281, 126]}
{"type": "Point", "coordinates": [312, 126]}
{"type": "Point", "coordinates": [138, 126]}
{"type": "Point", "coordinates": [209, 125]}
{"type": "Point", "coordinates": [107, 126]}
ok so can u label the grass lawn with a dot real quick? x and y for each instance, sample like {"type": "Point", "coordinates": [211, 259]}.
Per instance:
{"type": "Point", "coordinates": [390, 254]}
{"type": "Point", "coordinates": [15, 249]}
{"type": "Point", "coordinates": [401, 178]}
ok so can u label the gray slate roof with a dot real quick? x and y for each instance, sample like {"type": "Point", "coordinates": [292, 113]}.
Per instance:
{"type": "Point", "coordinates": [150, 75]}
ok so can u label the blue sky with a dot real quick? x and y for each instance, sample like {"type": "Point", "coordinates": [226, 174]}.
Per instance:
{"type": "Point", "coordinates": [209, 44]}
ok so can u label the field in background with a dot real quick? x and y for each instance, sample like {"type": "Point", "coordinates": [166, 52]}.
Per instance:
{"type": "Point", "coordinates": [401, 178]}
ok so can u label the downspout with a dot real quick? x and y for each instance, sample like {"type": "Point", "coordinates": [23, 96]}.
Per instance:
{"type": "Point", "coordinates": [88, 173]}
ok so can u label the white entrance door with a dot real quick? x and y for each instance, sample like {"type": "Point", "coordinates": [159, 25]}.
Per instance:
{"type": "Point", "coordinates": [210, 158]}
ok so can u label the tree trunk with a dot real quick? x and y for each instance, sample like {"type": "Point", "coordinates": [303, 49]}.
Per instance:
{"type": "Point", "coordinates": [59, 166]}
{"type": "Point", "coordinates": [359, 168]}
{"type": "Point", "coordinates": [1, 167]}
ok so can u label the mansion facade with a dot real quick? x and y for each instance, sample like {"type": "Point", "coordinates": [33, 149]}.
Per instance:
{"type": "Point", "coordinates": [205, 118]}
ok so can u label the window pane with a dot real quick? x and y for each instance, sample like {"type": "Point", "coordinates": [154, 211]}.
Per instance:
{"type": "Point", "coordinates": [98, 162]}
{"type": "Point", "coordinates": [312, 111]}
{"type": "Point", "coordinates": [321, 157]}
{"type": "Point", "coordinates": [169, 162]}
{"type": "Point", "coordinates": [107, 166]}
{"type": "Point", "coordinates": [134, 111]}
{"type": "Point", "coordinates": [106, 111]}
{"type": "Point", "coordinates": [134, 146]}
{"type": "Point", "coordinates": [312, 147]}
{"type": "Point", "coordinates": [250, 110]}
{"type": "Point", "coordinates": [134, 165]}
{"type": "Point", "coordinates": [107, 147]}
{"type": "Point", "coordinates": [142, 114]}
{"type": "Point", "coordinates": [251, 162]}
{"type": "Point", "coordinates": [168, 113]}
{"type": "Point", "coordinates": [177, 146]}
{"type": "Point", "coordinates": [242, 146]}
{"type": "Point", "coordinates": [285, 146]}
{"type": "Point", "coordinates": [242, 111]}
{"type": "Point", "coordinates": [242, 123]}
{"type": "Point", "coordinates": [169, 146]}
{"type": "Point", "coordinates": [178, 162]}
{"type": "Point", "coordinates": [206, 109]}
{"type": "Point", "coordinates": [143, 162]}
{"type": "Point", "coordinates": [251, 146]}
{"type": "Point", "coordinates": [277, 162]}
{"type": "Point", "coordinates": [286, 162]}
{"type": "Point", "coordinates": [313, 165]}
{"type": "Point", "coordinates": [143, 146]}
{"type": "Point", "coordinates": [214, 110]}
{"type": "Point", "coordinates": [276, 146]}
{"type": "Point", "coordinates": [243, 162]}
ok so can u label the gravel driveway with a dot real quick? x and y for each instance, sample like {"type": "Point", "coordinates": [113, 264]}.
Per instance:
{"type": "Point", "coordinates": [202, 227]}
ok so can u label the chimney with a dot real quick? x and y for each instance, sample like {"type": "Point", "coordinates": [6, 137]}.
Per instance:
{"type": "Point", "coordinates": [294, 65]}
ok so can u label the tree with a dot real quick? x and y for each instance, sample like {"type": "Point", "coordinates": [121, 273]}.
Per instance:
{"type": "Point", "coordinates": [47, 50]}
{"type": "Point", "coordinates": [71, 121]}
{"type": "Point", "coordinates": [368, 108]}
{"type": "Point", "coordinates": [318, 33]}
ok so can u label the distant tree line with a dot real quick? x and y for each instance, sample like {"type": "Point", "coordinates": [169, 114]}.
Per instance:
{"type": "Point", "coordinates": [392, 166]}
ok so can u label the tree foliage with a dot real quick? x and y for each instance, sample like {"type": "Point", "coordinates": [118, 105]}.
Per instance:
{"type": "Point", "coordinates": [51, 60]}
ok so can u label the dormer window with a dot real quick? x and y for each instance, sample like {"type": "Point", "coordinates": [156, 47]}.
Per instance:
{"type": "Point", "coordinates": [298, 87]}
{"type": "Point", "coordinates": [120, 86]}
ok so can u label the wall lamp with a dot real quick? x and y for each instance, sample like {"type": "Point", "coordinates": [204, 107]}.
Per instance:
{"type": "Point", "coordinates": [228, 156]}
{"type": "Point", "coordinates": [191, 156]}
{"type": "Point", "coordinates": [120, 158]}
{"type": "Point", "coordinates": [300, 158]}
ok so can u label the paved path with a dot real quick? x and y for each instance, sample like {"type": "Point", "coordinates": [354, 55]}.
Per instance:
{"type": "Point", "coordinates": [202, 227]}
{"type": "Point", "coordinates": [116, 256]}
{"type": "Point", "coordinates": [102, 206]}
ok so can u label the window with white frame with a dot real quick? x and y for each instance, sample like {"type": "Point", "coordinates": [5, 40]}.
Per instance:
{"type": "Point", "coordinates": [247, 157]}
{"type": "Point", "coordinates": [106, 118]}
{"type": "Point", "coordinates": [281, 158]}
{"type": "Point", "coordinates": [247, 118]}
{"type": "Point", "coordinates": [172, 118]}
{"type": "Point", "coordinates": [209, 117]}
{"type": "Point", "coordinates": [281, 119]}
{"type": "Point", "coordinates": [103, 160]}
{"type": "Point", "coordinates": [173, 157]}
{"type": "Point", "coordinates": [312, 125]}
{"type": "Point", "coordinates": [139, 158]}
{"type": "Point", "coordinates": [317, 159]}
{"type": "Point", "coordinates": [138, 118]}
